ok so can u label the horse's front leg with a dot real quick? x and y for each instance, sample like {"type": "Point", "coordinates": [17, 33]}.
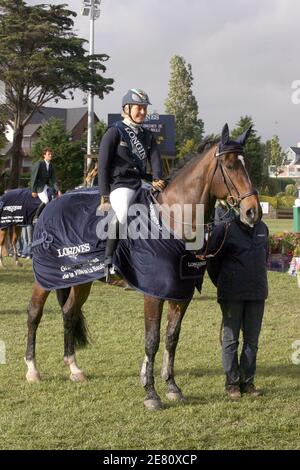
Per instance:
{"type": "Point", "coordinates": [2, 241]}
{"type": "Point", "coordinates": [75, 332]}
{"type": "Point", "coordinates": [175, 315]}
{"type": "Point", "coordinates": [34, 315]}
{"type": "Point", "coordinates": [16, 232]}
{"type": "Point", "coordinates": [152, 311]}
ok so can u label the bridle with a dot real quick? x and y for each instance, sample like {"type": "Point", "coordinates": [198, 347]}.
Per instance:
{"type": "Point", "coordinates": [233, 200]}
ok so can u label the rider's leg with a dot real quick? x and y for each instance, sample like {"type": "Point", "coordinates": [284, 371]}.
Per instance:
{"type": "Point", "coordinates": [120, 200]}
{"type": "Point", "coordinates": [43, 196]}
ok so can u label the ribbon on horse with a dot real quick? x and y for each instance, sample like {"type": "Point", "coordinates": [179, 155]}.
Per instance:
{"type": "Point", "coordinates": [69, 249]}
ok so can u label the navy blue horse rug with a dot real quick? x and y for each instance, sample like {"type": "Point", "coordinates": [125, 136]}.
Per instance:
{"type": "Point", "coordinates": [17, 207]}
{"type": "Point", "coordinates": [69, 249]}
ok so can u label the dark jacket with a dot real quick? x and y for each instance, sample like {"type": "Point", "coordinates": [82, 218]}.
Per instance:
{"type": "Point", "coordinates": [40, 177]}
{"type": "Point", "coordinates": [239, 270]}
{"type": "Point", "coordinates": [116, 164]}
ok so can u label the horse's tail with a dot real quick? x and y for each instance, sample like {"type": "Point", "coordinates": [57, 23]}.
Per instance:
{"type": "Point", "coordinates": [81, 333]}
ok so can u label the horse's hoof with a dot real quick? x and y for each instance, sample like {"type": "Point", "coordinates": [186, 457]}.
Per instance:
{"type": "Point", "coordinates": [33, 377]}
{"type": "Point", "coordinates": [79, 377]}
{"type": "Point", "coordinates": [19, 264]}
{"type": "Point", "coordinates": [175, 396]}
{"type": "Point", "coordinates": [152, 404]}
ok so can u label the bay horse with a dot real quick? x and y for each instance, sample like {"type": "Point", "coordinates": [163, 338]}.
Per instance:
{"type": "Point", "coordinates": [31, 208]}
{"type": "Point", "coordinates": [14, 232]}
{"type": "Point", "coordinates": [217, 173]}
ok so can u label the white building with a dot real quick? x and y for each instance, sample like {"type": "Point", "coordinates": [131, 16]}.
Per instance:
{"type": "Point", "coordinates": [290, 167]}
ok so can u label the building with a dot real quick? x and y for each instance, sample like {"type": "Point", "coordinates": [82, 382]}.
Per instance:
{"type": "Point", "coordinates": [75, 122]}
{"type": "Point", "coordinates": [290, 167]}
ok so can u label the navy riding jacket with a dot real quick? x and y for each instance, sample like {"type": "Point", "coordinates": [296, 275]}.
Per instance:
{"type": "Point", "coordinates": [116, 164]}
{"type": "Point", "coordinates": [239, 270]}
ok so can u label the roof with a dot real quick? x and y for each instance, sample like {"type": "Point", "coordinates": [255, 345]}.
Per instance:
{"type": "Point", "coordinates": [6, 148]}
{"type": "Point", "coordinates": [30, 129]}
{"type": "Point", "coordinates": [70, 116]}
{"type": "Point", "coordinates": [74, 116]}
{"type": "Point", "coordinates": [296, 150]}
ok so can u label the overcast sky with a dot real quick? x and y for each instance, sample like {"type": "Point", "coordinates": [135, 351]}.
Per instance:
{"type": "Point", "coordinates": [244, 56]}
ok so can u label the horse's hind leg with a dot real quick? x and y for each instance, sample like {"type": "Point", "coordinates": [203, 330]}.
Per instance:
{"type": "Point", "coordinates": [16, 232]}
{"type": "Point", "coordinates": [75, 332]}
{"type": "Point", "coordinates": [34, 315]}
{"type": "Point", "coordinates": [153, 311]}
{"type": "Point", "coordinates": [2, 241]}
{"type": "Point", "coordinates": [175, 315]}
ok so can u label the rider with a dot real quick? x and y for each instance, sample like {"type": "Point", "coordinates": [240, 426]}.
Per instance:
{"type": "Point", "coordinates": [42, 178]}
{"type": "Point", "coordinates": [125, 150]}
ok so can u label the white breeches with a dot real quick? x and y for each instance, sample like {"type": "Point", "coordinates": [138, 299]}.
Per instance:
{"type": "Point", "coordinates": [120, 200]}
{"type": "Point", "coordinates": [44, 196]}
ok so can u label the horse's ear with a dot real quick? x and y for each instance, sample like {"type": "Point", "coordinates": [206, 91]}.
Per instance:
{"type": "Point", "coordinates": [244, 136]}
{"type": "Point", "coordinates": [225, 134]}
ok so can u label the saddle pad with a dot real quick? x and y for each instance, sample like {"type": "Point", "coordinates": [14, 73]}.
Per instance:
{"type": "Point", "coordinates": [68, 252]}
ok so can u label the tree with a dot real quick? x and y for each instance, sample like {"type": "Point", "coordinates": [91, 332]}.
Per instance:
{"type": "Point", "coordinates": [68, 156]}
{"type": "Point", "coordinates": [253, 149]}
{"type": "Point", "coordinates": [182, 103]}
{"type": "Point", "coordinates": [41, 59]}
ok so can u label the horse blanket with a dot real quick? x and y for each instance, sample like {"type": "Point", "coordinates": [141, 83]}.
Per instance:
{"type": "Point", "coordinates": [17, 207]}
{"type": "Point", "coordinates": [69, 248]}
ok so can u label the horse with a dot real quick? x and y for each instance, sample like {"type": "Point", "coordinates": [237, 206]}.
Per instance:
{"type": "Point", "coordinates": [218, 172]}
{"type": "Point", "coordinates": [18, 208]}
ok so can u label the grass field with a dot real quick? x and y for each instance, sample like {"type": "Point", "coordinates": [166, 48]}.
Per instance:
{"type": "Point", "coordinates": [279, 225]}
{"type": "Point", "coordinates": [107, 411]}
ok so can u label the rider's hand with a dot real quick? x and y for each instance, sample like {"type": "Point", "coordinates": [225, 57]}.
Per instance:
{"type": "Point", "coordinates": [158, 185]}
{"type": "Point", "coordinates": [104, 205]}
{"type": "Point", "coordinates": [34, 194]}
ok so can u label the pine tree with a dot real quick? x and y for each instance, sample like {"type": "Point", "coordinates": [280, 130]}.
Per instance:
{"type": "Point", "coordinates": [253, 150]}
{"type": "Point", "coordinates": [41, 58]}
{"type": "Point", "coordinates": [183, 105]}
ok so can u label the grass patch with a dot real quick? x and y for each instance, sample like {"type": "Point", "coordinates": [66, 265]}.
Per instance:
{"type": "Point", "coordinates": [279, 225]}
{"type": "Point", "coordinates": [107, 411]}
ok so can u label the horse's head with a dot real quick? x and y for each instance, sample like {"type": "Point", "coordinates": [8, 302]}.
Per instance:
{"type": "Point", "coordinates": [230, 179]}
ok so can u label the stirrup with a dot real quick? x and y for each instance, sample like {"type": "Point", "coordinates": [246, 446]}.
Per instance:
{"type": "Point", "coordinates": [107, 273]}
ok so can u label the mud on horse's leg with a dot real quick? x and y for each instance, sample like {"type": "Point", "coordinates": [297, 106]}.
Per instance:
{"type": "Point", "coordinates": [34, 315]}
{"type": "Point", "coordinates": [152, 311]}
{"type": "Point", "coordinates": [175, 315]}
{"type": "Point", "coordinates": [75, 333]}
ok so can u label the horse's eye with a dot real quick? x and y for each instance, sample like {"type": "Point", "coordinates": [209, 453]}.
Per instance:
{"type": "Point", "coordinates": [230, 167]}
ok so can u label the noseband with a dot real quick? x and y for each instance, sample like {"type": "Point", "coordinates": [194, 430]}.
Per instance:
{"type": "Point", "coordinates": [233, 201]}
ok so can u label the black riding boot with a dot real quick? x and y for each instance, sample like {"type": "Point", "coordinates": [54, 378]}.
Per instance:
{"type": "Point", "coordinates": [38, 212]}
{"type": "Point", "coordinates": [111, 245]}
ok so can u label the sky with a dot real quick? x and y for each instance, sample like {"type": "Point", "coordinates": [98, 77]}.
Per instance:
{"type": "Point", "coordinates": [244, 56]}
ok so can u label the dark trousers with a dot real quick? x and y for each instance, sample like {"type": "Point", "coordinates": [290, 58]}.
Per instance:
{"type": "Point", "coordinates": [245, 315]}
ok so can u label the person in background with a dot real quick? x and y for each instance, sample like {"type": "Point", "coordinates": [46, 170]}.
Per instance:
{"type": "Point", "coordinates": [126, 149]}
{"type": "Point", "coordinates": [239, 271]}
{"type": "Point", "coordinates": [43, 177]}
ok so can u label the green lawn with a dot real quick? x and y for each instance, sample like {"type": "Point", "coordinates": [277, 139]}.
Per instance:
{"type": "Point", "coordinates": [107, 411]}
{"type": "Point", "coordinates": [279, 225]}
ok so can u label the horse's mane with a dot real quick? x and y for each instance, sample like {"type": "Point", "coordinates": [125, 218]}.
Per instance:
{"type": "Point", "coordinates": [190, 158]}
